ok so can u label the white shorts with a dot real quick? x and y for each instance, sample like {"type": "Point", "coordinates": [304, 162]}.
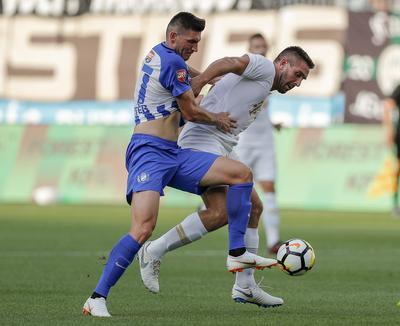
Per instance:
{"type": "Point", "coordinates": [261, 160]}
{"type": "Point", "coordinates": [206, 142]}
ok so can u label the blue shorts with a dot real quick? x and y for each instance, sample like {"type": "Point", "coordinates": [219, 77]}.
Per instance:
{"type": "Point", "coordinates": [154, 163]}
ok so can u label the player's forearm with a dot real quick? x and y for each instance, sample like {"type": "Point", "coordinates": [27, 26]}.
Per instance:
{"type": "Point", "coordinates": [191, 111]}
{"type": "Point", "coordinates": [199, 115]}
{"type": "Point", "coordinates": [223, 66]}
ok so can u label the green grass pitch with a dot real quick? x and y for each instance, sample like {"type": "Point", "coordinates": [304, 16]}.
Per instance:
{"type": "Point", "coordinates": [51, 258]}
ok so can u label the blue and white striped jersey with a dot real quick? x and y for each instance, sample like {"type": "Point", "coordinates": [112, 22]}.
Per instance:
{"type": "Point", "coordinates": [164, 76]}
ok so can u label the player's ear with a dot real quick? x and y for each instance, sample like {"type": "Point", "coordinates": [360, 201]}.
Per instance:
{"type": "Point", "coordinates": [283, 63]}
{"type": "Point", "coordinates": [172, 36]}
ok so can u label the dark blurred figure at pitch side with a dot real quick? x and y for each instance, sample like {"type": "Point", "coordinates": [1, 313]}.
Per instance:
{"type": "Point", "coordinates": [391, 125]}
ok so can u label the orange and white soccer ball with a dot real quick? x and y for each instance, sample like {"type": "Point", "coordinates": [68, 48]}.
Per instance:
{"type": "Point", "coordinates": [296, 257]}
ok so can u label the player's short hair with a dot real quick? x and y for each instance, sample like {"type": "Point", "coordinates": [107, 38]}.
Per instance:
{"type": "Point", "coordinates": [296, 52]}
{"type": "Point", "coordinates": [256, 35]}
{"type": "Point", "coordinates": [186, 21]}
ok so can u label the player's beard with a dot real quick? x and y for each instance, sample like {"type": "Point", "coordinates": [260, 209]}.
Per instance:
{"type": "Point", "coordinates": [282, 85]}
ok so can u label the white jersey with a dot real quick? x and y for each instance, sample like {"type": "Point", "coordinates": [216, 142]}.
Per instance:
{"type": "Point", "coordinates": [242, 96]}
{"type": "Point", "coordinates": [256, 148]}
{"type": "Point", "coordinates": [259, 133]}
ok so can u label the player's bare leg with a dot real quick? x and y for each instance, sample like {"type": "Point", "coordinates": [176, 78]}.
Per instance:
{"type": "Point", "coordinates": [144, 210]}
{"type": "Point", "coordinates": [194, 227]}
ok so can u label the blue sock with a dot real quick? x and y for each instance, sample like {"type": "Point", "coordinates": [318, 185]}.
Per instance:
{"type": "Point", "coordinates": [121, 257]}
{"type": "Point", "coordinates": [238, 204]}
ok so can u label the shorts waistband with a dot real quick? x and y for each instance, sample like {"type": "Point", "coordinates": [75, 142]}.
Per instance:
{"type": "Point", "coordinates": [159, 140]}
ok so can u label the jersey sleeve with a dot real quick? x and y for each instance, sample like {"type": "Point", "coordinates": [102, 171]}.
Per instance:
{"type": "Point", "coordinates": [174, 75]}
{"type": "Point", "coordinates": [259, 68]}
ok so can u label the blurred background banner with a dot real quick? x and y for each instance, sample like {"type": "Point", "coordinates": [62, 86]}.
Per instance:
{"type": "Point", "coordinates": [82, 58]}
{"type": "Point", "coordinates": [68, 70]}
{"type": "Point", "coordinates": [372, 64]}
{"type": "Point", "coordinates": [63, 163]}
{"type": "Point", "coordinates": [66, 113]}
{"type": "Point", "coordinates": [342, 168]}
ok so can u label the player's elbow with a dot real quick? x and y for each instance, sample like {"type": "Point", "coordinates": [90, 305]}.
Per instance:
{"type": "Point", "coordinates": [189, 116]}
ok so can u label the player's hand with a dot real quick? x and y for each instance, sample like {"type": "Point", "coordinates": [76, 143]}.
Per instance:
{"type": "Point", "coordinates": [224, 122]}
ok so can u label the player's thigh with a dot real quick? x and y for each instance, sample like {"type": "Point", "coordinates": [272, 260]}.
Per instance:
{"type": "Point", "coordinates": [144, 212]}
{"type": "Point", "coordinates": [192, 166]}
{"type": "Point", "coordinates": [226, 171]}
{"type": "Point", "coordinates": [150, 166]}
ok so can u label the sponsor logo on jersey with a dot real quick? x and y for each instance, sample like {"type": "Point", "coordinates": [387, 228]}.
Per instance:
{"type": "Point", "coordinates": [143, 177]}
{"type": "Point", "coordinates": [255, 109]}
{"type": "Point", "coordinates": [181, 75]}
{"type": "Point", "coordinates": [149, 56]}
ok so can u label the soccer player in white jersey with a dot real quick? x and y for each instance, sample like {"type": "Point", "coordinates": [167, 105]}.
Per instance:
{"type": "Point", "coordinates": [242, 95]}
{"type": "Point", "coordinates": [256, 148]}
{"type": "Point", "coordinates": [154, 160]}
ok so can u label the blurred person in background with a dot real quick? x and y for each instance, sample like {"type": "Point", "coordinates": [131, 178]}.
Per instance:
{"type": "Point", "coordinates": [391, 124]}
{"type": "Point", "coordinates": [154, 160]}
{"type": "Point", "coordinates": [256, 148]}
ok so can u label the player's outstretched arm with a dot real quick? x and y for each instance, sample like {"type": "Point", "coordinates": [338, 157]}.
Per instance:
{"type": "Point", "coordinates": [191, 111]}
{"type": "Point", "coordinates": [220, 67]}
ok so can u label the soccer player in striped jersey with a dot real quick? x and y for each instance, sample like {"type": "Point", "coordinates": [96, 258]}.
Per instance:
{"type": "Point", "coordinates": [240, 93]}
{"type": "Point", "coordinates": [154, 160]}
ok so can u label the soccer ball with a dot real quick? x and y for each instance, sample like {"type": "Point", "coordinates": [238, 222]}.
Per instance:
{"type": "Point", "coordinates": [296, 257]}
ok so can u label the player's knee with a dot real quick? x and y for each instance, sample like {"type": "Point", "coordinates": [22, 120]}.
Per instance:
{"type": "Point", "coordinates": [142, 232]}
{"type": "Point", "coordinates": [244, 175]}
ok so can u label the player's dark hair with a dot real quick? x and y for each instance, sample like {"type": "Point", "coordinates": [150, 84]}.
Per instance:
{"type": "Point", "coordinates": [186, 21]}
{"type": "Point", "coordinates": [257, 35]}
{"type": "Point", "coordinates": [297, 52]}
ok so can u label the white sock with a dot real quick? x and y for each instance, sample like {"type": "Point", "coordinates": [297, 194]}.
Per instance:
{"type": "Point", "coordinates": [189, 230]}
{"type": "Point", "coordinates": [246, 279]}
{"type": "Point", "coordinates": [270, 218]}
